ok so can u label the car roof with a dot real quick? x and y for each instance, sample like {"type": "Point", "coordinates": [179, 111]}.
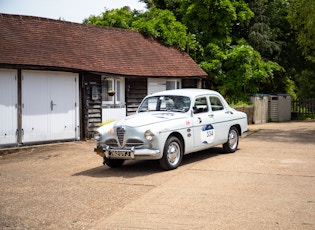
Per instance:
{"type": "Point", "coordinates": [191, 92]}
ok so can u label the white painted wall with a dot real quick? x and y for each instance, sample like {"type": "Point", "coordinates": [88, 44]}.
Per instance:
{"type": "Point", "coordinates": [113, 114]}
{"type": "Point", "coordinates": [161, 84]}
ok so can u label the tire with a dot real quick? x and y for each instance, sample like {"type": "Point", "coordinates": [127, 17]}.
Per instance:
{"type": "Point", "coordinates": [113, 163]}
{"type": "Point", "coordinates": [172, 153]}
{"type": "Point", "coordinates": [233, 138]}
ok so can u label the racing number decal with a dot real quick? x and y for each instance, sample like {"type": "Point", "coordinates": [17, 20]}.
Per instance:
{"type": "Point", "coordinates": [207, 134]}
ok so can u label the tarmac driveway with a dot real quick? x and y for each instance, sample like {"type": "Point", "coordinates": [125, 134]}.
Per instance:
{"type": "Point", "coordinates": [269, 183]}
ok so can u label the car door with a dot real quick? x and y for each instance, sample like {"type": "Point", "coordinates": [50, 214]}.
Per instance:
{"type": "Point", "coordinates": [222, 118]}
{"type": "Point", "coordinates": [203, 130]}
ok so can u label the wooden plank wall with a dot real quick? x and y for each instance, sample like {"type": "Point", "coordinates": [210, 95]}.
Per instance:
{"type": "Point", "coordinates": [136, 90]}
{"type": "Point", "coordinates": [189, 83]}
{"type": "Point", "coordinates": [92, 105]}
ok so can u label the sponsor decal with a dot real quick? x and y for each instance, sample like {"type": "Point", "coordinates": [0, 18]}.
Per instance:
{"type": "Point", "coordinates": [207, 134]}
{"type": "Point", "coordinates": [163, 115]}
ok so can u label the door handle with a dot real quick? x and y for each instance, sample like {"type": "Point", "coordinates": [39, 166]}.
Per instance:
{"type": "Point", "coordinates": [210, 115]}
{"type": "Point", "coordinates": [52, 105]}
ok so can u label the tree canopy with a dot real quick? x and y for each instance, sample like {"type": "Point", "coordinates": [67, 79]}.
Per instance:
{"type": "Point", "coordinates": [302, 19]}
{"type": "Point", "coordinates": [245, 46]}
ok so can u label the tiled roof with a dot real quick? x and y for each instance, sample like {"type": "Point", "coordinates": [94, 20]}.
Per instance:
{"type": "Point", "coordinates": [34, 41]}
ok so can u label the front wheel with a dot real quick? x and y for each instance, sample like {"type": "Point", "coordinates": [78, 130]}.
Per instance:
{"type": "Point", "coordinates": [113, 163]}
{"type": "Point", "coordinates": [231, 145]}
{"type": "Point", "coordinates": [172, 154]}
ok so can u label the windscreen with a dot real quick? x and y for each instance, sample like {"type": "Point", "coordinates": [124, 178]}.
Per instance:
{"type": "Point", "coordinates": [165, 103]}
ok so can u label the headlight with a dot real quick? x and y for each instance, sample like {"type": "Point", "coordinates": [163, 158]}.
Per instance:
{"type": "Point", "coordinates": [148, 135]}
{"type": "Point", "coordinates": [97, 136]}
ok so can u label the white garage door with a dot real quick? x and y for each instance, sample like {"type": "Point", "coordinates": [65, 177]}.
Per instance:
{"type": "Point", "coordinates": [8, 107]}
{"type": "Point", "coordinates": [49, 106]}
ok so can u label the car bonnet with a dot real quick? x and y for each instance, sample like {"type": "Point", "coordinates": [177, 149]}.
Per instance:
{"type": "Point", "coordinates": [147, 118]}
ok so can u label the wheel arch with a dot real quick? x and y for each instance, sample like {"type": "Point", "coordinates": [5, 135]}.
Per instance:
{"type": "Point", "coordinates": [180, 137]}
{"type": "Point", "coordinates": [238, 128]}
{"type": "Point", "coordinates": [232, 141]}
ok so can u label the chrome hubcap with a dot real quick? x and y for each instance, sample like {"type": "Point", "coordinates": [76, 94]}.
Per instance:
{"type": "Point", "coordinates": [233, 139]}
{"type": "Point", "coordinates": [173, 153]}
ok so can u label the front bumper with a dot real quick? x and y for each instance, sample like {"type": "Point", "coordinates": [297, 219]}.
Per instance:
{"type": "Point", "coordinates": [128, 154]}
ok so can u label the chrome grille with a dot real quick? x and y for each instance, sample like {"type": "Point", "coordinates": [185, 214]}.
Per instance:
{"type": "Point", "coordinates": [120, 131]}
{"type": "Point", "coordinates": [111, 143]}
{"type": "Point", "coordinates": [133, 143]}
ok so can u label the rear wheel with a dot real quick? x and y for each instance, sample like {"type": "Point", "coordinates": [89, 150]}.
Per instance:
{"type": "Point", "coordinates": [172, 154]}
{"type": "Point", "coordinates": [113, 163]}
{"type": "Point", "coordinates": [231, 145]}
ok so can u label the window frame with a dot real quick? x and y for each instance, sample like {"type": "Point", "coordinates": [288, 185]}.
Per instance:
{"type": "Point", "coordinates": [118, 85]}
{"type": "Point", "coordinates": [203, 108]}
{"type": "Point", "coordinates": [217, 107]}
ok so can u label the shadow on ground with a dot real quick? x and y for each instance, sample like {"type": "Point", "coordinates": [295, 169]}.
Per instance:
{"type": "Point", "coordinates": [132, 169]}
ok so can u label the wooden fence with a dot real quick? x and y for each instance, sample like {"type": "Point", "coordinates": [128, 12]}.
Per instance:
{"type": "Point", "coordinates": [303, 108]}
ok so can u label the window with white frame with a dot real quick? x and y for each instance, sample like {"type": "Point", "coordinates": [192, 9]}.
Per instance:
{"type": "Point", "coordinates": [113, 91]}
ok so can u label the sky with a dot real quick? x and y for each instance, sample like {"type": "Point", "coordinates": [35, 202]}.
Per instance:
{"type": "Point", "coordinates": [68, 10]}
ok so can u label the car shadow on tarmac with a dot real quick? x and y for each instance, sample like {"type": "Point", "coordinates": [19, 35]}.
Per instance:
{"type": "Point", "coordinates": [142, 168]}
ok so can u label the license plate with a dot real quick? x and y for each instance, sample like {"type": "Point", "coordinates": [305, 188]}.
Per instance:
{"type": "Point", "coordinates": [119, 154]}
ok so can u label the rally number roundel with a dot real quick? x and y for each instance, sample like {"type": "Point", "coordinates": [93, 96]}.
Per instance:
{"type": "Point", "coordinates": [207, 134]}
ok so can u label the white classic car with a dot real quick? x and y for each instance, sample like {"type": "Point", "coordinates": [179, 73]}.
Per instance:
{"type": "Point", "coordinates": [170, 124]}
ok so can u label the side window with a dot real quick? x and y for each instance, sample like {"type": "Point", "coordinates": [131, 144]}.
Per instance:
{"type": "Point", "coordinates": [201, 105]}
{"type": "Point", "coordinates": [216, 103]}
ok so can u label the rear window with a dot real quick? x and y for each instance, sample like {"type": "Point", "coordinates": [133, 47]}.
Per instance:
{"type": "Point", "coordinates": [216, 103]}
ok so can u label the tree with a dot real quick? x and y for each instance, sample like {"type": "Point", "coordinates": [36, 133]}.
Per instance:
{"type": "Point", "coordinates": [269, 33]}
{"type": "Point", "coordinates": [159, 24]}
{"type": "Point", "coordinates": [299, 55]}
{"type": "Point", "coordinates": [216, 33]}
{"type": "Point", "coordinates": [264, 27]}
{"type": "Point", "coordinates": [163, 26]}
{"type": "Point", "coordinates": [302, 19]}
{"type": "Point", "coordinates": [121, 18]}
{"type": "Point", "coordinates": [233, 66]}
{"type": "Point", "coordinates": [240, 71]}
